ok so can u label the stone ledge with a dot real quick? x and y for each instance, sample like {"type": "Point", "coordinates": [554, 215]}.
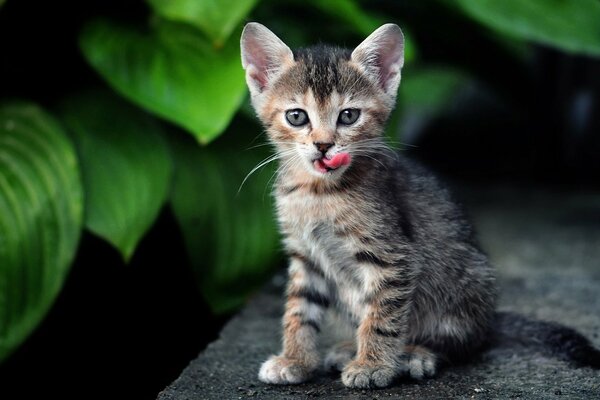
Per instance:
{"type": "Point", "coordinates": [546, 246]}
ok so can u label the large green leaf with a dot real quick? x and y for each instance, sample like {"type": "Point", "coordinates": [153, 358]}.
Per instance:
{"type": "Point", "coordinates": [571, 25]}
{"type": "Point", "coordinates": [216, 18]}
{"type": "Point", "coordinates": [41, 212]}
{"type": "Point", "coordinates": [126, 167]}
{"type": "Point", "coordinates": [231, 237]}
{"type": "Point", "coordinates": [171, 71]}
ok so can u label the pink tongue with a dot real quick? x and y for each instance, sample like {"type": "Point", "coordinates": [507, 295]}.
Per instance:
{"type": "Point", "coordinates": [337, 161]}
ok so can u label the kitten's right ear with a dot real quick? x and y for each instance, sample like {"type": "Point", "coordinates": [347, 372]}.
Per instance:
{"type": "Point", "coordinates": [381, 56]}
{"type": "Point", "coordinates": [263, 56]}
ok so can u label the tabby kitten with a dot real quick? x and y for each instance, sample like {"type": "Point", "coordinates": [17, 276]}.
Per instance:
{"type": "Point", "coordinates": [369, 233]}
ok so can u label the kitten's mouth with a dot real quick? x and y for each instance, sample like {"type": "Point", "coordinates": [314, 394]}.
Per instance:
{"type": "Point", "coordinates": [325, 165]}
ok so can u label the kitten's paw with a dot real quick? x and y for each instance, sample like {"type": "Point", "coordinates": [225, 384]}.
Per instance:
{"type": "Point", "coordinates": [421, 362]}
{"type": "Point", "coordinates": [279, 370]}
{"type": "Point", "coordinates": [360, 375]}
{"type": "Point", "coordinates": [339, 356]}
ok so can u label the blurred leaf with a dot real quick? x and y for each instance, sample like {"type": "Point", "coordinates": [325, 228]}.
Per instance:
{"type": "Point", "coordinates": [171, 71]}
{"type": "Point", "coordinates": [125, 166]}
{"type": "Point", "coordinates": [571, 25]}
{"type": "Point", "coordinates": [351, 13]}
{"type": "Point", "coordinates": [430, 88]}
{"type": "Point", "coordinates": [363, 22]}
{"type": "Point", "coordinates": [231, 237]}
{"type": "Point", "coordinates": [424, 94]}
{"type": "Point", "coordinates": [392, 128]}
{"type": "Point", "coordinates": [217, 19]}
{"type": "Point", "coordinates": [41, 212]}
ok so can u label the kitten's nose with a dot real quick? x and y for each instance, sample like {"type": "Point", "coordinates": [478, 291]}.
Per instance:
{"type": "Point", "coordinates": [323, 147]}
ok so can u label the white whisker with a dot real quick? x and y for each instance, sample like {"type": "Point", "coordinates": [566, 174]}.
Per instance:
{"type": "Point", "coordinates": [264, 162]}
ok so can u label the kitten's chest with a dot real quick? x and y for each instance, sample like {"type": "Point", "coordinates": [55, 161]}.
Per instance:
{"type": "Point", "coordinates": [305, 209]}
{"type": "Point", "coordinates": [326, 228]}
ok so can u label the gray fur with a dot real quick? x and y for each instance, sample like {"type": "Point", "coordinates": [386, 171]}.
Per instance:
{"type": "Point", "coordinates": [378, 239]}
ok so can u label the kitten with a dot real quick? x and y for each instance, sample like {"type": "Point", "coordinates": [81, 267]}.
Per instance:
{"type": "Point", "coordinates": [369, 234]}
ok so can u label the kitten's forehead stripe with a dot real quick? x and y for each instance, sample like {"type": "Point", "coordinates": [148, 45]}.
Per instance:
{"type": "Point", "coordinates": [325, 69]}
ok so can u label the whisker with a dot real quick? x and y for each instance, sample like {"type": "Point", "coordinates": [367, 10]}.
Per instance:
{"type": "Point", "coordinates": [281, 170]}
{"type": "Point", "coordinates": [263, 132]}
{"type": "Point", "coordinates": [257, 146]}
{"type": "Point", "coordinates": [368, 155]}
{"type": "Point", "coordinates": [261, 164]}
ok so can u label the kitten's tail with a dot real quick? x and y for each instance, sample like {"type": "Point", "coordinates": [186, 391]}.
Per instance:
{"type": "Point", "coordinates": [558, 340]}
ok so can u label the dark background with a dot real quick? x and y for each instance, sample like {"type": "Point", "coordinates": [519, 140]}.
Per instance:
{"type": "Point", "coordinates": [126, 331]}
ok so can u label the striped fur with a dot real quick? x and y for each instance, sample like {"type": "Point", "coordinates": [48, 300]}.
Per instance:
{"type": "Point", "coordinates": [380, 240]}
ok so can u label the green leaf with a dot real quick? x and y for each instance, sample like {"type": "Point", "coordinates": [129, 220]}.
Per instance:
{"type": "Point", "coordinates": [430, 88]}
{"type": "Point", "coordinates": [231, 237]}
{"type": "Point", "coordinates": [350, 12]}
{"type": "Point", "coordinates": [41, 212]}
{"type": "Point", "coordinates": [217, 19]}
{"type": "Point", "coordinates": [571, 25]}
{"type": "Point", "coordinates": [423, 95]}
{"type": "Point", "coordinates": [171, 71]}
{"type": "Point", "coordinates": [126, 167]}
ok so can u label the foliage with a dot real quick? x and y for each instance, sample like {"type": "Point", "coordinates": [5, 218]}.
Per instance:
{"type": "Point", "coordinates": [41, 212]}
{"type": "Point", "coordinates": [172, 71]}
{"type": "Point", "coordinates": [182, 66]}
{"type": "Point", "coordinates": [569, 25]}
{"type": "Point", "coordinates": [125, 164]}
{"type": "Point", "coordinates": [431, 89]}
{"type": "Point", "coordinates": [349, 12]}
{"type": "Point", "coordinates": [216, 216]}
{"type": "Point", "coordinates": [217, 19]}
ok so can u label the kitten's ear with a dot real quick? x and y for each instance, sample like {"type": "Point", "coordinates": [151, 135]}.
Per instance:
{"type": "Point", "coordinates": [263, 56]}
{"type": "Point", "coordinates": [381, 55]}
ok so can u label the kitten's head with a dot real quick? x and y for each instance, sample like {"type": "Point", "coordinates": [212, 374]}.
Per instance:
{"type": "Point", "coordinates": [324, 108]}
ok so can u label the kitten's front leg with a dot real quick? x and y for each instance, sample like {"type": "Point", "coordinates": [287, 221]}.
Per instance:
{"type": "Point", "coordinates": [307, 299]}
{"type": "Point", "coordinates": [381, 342]}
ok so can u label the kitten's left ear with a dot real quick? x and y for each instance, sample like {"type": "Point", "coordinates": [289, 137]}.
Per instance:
{"type": "Point", "coordinates": [381, 55]}
{"type": "Point", "coordinates": [263, 56]}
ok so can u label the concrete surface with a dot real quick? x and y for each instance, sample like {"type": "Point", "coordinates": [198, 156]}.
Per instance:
{"type": "Point", "coordinates": [546, 247]}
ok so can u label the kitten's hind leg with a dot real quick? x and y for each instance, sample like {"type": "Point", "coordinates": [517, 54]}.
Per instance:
{"type": "Point", "coordinates": [340, 355]}
{"type": "Point", "coordinates": [421, 362]}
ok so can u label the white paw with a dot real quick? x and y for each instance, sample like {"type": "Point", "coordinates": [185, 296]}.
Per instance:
{"type": "Point", "coordinates": [421, 364]}
{"type": "Point", "coordinates": [279, 370]}
{"type": "Point", "coordinates": [357, 375]}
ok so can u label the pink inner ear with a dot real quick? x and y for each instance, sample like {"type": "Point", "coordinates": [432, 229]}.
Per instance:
{"type": "Point", "coordinates": [257, 62]}
{"type": "Point", "coordinates": [381, 54]}
{"type": "Point", "coordinates": [389, 60]}
{"type": "Point", "coordinates": [259, 78]}
{"type": "Point", "coordinates": [258, 59]}
{"type": "Point", "coordinates": [263, 55]}
{"type": "Point", "coordinates": [385, 76]}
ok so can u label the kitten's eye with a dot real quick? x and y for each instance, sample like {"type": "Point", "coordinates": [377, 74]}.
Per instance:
{"type": "Point", "coordinates": [348, 116]}
{"type": "Point", "coordinates": [296, 117]}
